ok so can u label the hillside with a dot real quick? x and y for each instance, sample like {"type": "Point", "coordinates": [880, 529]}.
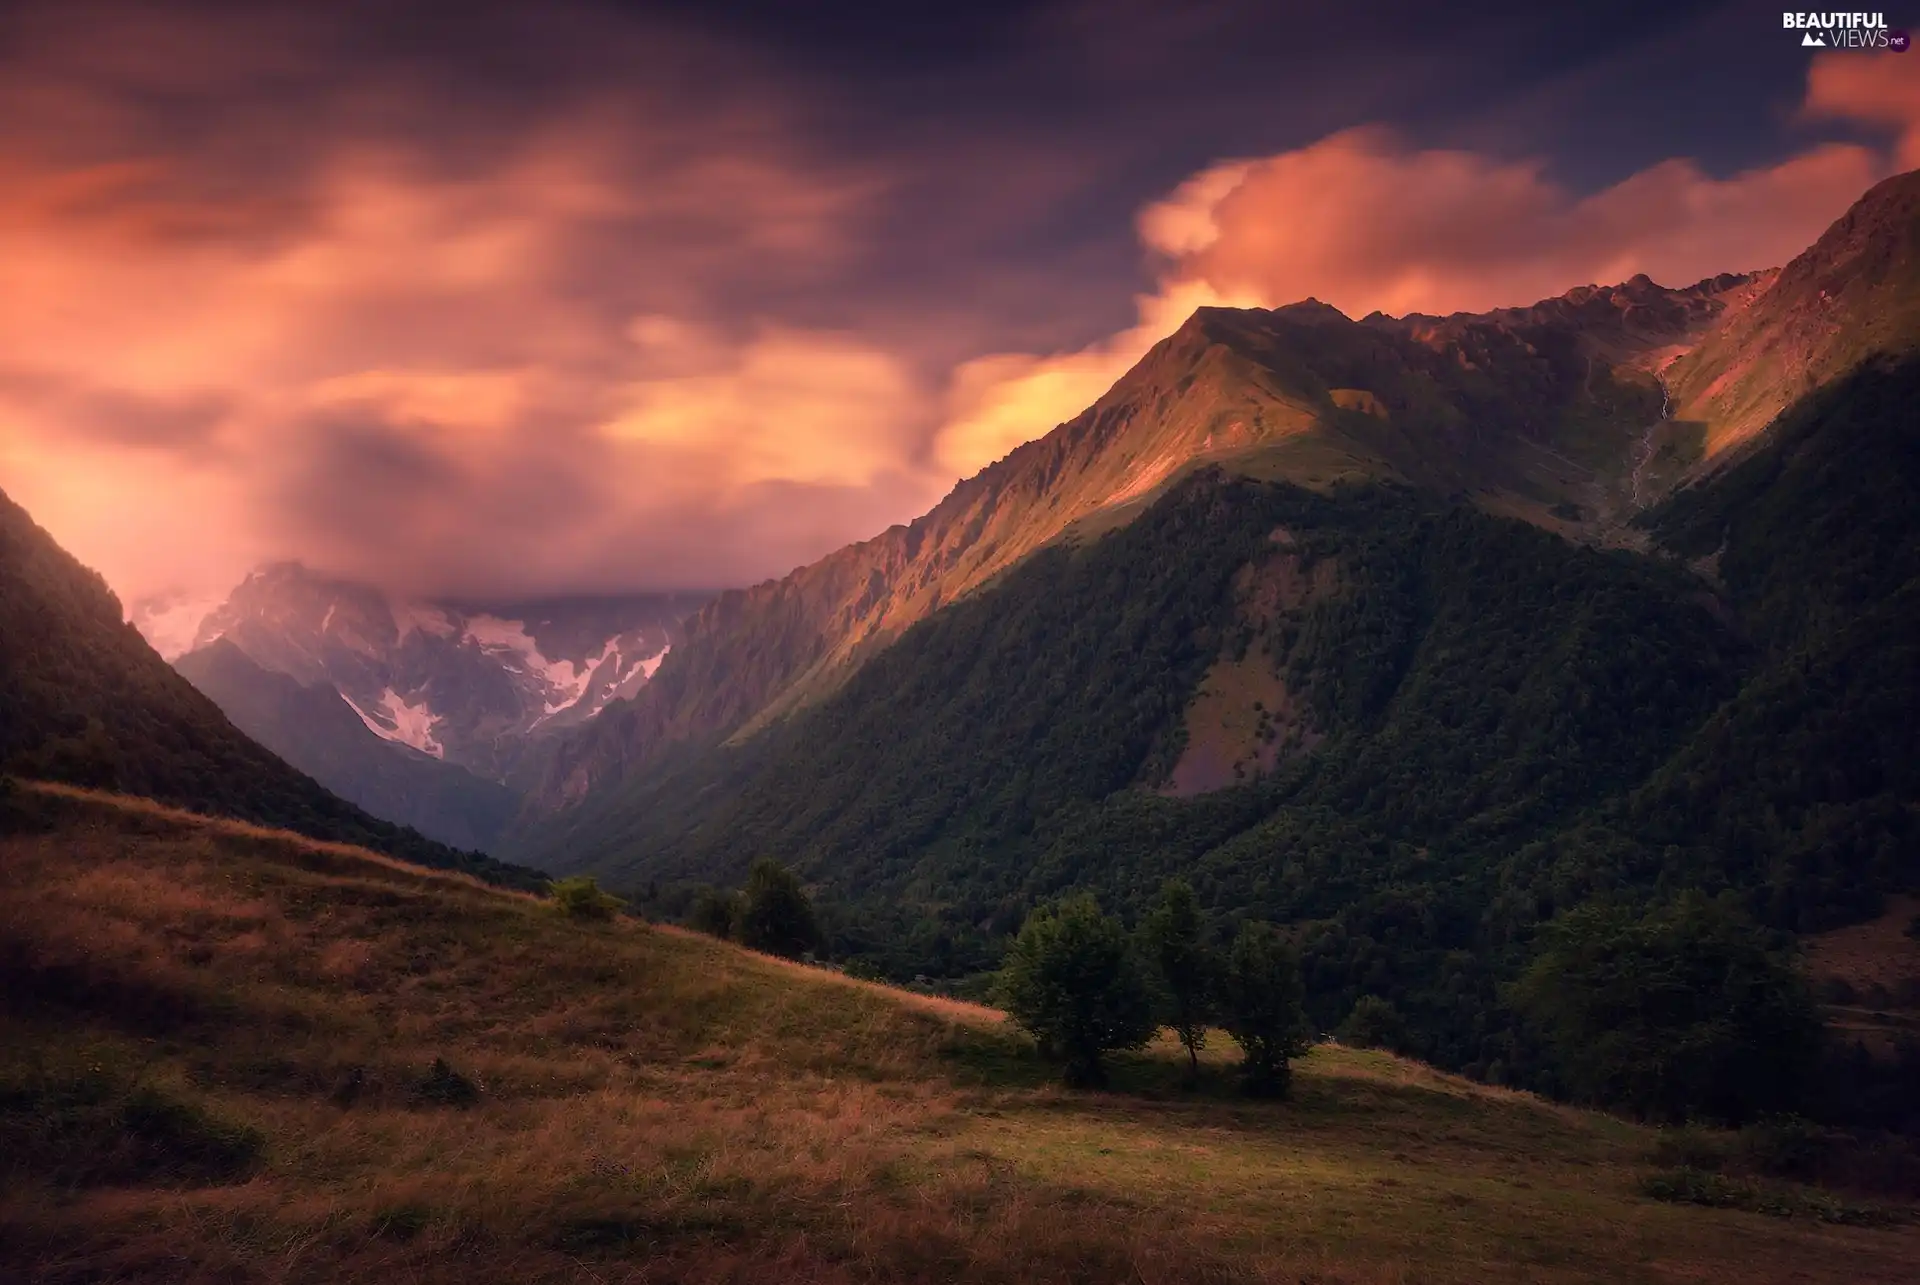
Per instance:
{"type": "Point", "coordinates": [1467, 726]}
{"type": "Point", "coordinates": [1540, 412]}
{"type": "Point", "coordinates": [1854, 293]}
{"type": "Point", "coordinates": [313, 728]}
{"type": "Point", "coordinates": [85, 700]}
{"type": "Point", "coordinates": [217, 1062]}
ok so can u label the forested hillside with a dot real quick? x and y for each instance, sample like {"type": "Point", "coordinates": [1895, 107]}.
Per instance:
{"type": "Point", "coordinates": [85, 700]}
{"type": "Point", "coordinates": [1482, 727]}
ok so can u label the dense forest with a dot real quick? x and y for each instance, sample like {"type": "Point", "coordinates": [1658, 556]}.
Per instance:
{"type": "Point", "coordinates": [1486, 727]}
{"type": "Point", "coordinates": [84, 700]}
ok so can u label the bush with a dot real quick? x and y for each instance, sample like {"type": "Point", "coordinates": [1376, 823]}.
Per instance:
{"type": "Point", "coordinates": [775, 913]}
{"type": "Point", "coordinates": [446, 1087]}
{"type": "Point", "coordinates": [1262, 1006]}
{"type": "Point", "coordinates": [579, 897]}
{"type": "Point", "coordinates": [1071, 982]}
{"type": "Point", "coordinates": [715, 912]}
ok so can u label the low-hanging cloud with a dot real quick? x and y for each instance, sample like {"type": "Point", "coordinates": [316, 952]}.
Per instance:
{"type": "Point", "coordinates": [1365, 222]}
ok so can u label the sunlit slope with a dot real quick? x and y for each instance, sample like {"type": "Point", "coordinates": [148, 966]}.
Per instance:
{"type": "Point", "coordinates": [217, 1051]}
{"type": "Point", "coordinates": [1536, 412]}
{"type": "Point", "coordinates": [1853, 294]}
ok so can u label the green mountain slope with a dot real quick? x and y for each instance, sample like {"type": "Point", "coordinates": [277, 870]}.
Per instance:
{"type": "Point", "coordinates": [1538, 412]}
{"type": "Point", "coordinates": [1482, 725]}
{"type": "Point", "coordinates": [315, 730]}
{"type": "Point", "coordinates": [85, 700]}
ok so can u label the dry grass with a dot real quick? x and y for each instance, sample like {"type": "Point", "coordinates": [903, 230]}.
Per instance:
{"type": "Point", "coordinates": [655, 1106]}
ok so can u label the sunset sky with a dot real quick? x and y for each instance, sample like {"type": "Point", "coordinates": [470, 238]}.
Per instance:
{"type": "Point", "coordinates": [497, 300]}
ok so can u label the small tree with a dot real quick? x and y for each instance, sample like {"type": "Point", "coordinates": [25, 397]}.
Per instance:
{"type": "Point", "coordinates": [1188, 970]}
{"type": "Point", "coordinates": [579, 897]}
{"type": "Point", "coordinates": [715, 912]}
{"type": "Point", "coordinates": [1374, 1023]}
{"type": "Point", "coordinates": [1072, 983]}
{"type": "Point", "coordinates": [1261, 1004]}
{"type": "Point", "coordinates": [775, 913]}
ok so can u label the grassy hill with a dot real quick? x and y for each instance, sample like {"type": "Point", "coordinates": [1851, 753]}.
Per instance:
{"type": "Point", "coordinates": [217, 1062]}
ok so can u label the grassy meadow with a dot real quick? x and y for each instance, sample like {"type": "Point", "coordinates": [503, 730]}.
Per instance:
{"type": "Point", "coordinates": [229, 1054]}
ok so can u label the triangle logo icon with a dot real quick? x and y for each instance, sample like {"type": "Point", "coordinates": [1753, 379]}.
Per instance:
{"type": "Point", "coordinates": [1811, 41]}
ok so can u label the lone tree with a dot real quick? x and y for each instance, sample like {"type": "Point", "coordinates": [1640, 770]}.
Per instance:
{"type": "Point", "coordinates": [1680, 1012]}
{"type": "Point", "coordinates": [1072, 983]}
{"type": "Point", "coordinates": [1261, 1005]}
{"type": "Point", "coordinates": [1189, 972]}
{"type": "Point", "coordinates": [775, 913]}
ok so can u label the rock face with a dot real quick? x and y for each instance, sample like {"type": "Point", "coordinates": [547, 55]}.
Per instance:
{"type": "Point", "coordinates": [1539, 412]}
{"type": "Point", "coordinates": [474, 684]}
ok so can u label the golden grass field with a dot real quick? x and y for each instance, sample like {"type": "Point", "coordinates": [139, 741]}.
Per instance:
{"type": "Point", "coordinates": [655, 1106]}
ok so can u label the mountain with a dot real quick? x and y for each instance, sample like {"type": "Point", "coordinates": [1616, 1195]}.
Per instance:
{"type": "Point", "coordinates": [473, 684]}
{"type": "Point", "coordinates": [1364, 701]}
{"type": "Point", "coordinates": [85, 700]}
{"type": "Point", "coordinates": [316, 730]}
{"type": "Point", "coordinates": [1543, 412]}
{"type": "Point", "coordinates": [1854, 293]}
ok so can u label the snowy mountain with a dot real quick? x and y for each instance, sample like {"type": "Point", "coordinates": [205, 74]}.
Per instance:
{"type": "Point", "coordinates": [471, 683]}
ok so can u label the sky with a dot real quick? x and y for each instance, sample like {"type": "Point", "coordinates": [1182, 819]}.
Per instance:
{"type": "Point", "coordinates": [489, 300]}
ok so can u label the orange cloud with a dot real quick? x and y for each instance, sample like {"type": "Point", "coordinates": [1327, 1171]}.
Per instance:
{"type": "Point", "coordinates": [1365, 222]}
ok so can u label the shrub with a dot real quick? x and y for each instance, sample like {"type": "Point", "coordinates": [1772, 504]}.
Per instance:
{"type": "Point", "coordinates": [579, 897]}
{"type": "Point", "coordinates": [1262, 1006]}
{"type": "Point", "coordinates": [1071, 982]}
{"type": "Point", "coordinates": [715, 912]}
{"type": "Point", "coordinates": [94, 1127]}
{"type": "Point", "coordinates": [446, 1087]}
{"type": "Point", "coordinates": [775, 913]}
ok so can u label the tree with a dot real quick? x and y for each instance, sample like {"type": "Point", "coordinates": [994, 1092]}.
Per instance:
{"type": "Point", "coordinates": [579, 897]}
{"type": "Point", "coordinates": [1374, 1023]}
{"type": "Point", "coordinates": [775, 914]}
{"type": "Point", "coordinates": [1262, 1006]}
{"type": "Point", "coordinates": [1072, 983]}
{"type": "Point", "coordinates": [715, 912]}
{"type": "Point", "coordinates": [1678, 1012]}
{"type": "Point", "coordinates": [1188, 970]}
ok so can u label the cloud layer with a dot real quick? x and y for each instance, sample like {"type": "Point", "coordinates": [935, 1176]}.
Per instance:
{"type": "Point", "coordinates": [625, 322]}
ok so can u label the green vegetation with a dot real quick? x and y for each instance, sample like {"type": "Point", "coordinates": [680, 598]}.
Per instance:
{"type": "Point", "coordinates": [1189, 974]}
{"type": "Point", "coordinates": [1071, 981]}
{"type": "Point", "coordinates": [654, 1104]}
{"type": "Point", "coordinates": [580, 897]}
{"type": "Point", "coordinates": [1680, 1012]}
{"type": "Point", "coordinates": [775, 914]}
{"type": "Point", "coordinates": [84, 700]}
{"type": "Point", "coordinates": [1260, 1005]}
{"type": "Point", "coordinates": [1504, 728]}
